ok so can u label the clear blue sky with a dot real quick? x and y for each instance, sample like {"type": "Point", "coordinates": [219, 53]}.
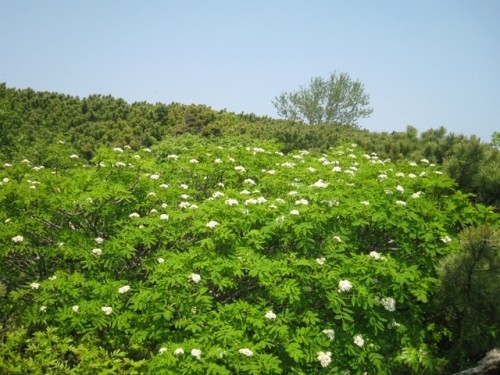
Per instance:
{"type": "Point", "coordinates": [427, 63]}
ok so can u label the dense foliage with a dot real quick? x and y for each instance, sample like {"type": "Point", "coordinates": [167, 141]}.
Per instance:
{"type": "Point", "coordinates": [229, 256]}
{"type": "Point", "coordinates": [30, 121]}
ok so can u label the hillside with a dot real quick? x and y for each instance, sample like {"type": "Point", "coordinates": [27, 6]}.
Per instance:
{"type": "Point", "coordinates": [31, 121]}
{"type": "Point", "coordinates": [226, 255]}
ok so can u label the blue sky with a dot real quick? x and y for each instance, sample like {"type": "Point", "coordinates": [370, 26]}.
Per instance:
{"type": "Point", "coordinates": [424, 63]}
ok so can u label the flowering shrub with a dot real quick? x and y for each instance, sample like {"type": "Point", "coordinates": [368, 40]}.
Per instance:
{"type": "Point", "coordinates": [224, 269]}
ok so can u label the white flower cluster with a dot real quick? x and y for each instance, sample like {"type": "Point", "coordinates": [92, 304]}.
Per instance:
{"type": "Point", "coordinates": [17, 239]}
{"type": "Point", "coordinates": [330, 333]}
{"type": "Point", "coordinates": [389, 303]}
{"type": "Point", "coordinates": [195, 277]}
{"type": "Point", "coordinates": [321, 261]}
{"type": "Point", "coordinates": [196, 353]}
{"type": "Point", "coordinates": [325, 358]}
{"type": "Point", "coordinates": [124, 289]}
{"type": "Point", "coordinates": [319, 184]}
{"type": "Point", "coordinates": [344, 286]}
{"type": "Point", "coordinates": [375, 255]}
{"type": "Point", "coordinates": [270, 315]}
{"type": "Point", "coordinates": [212, 224]}
{"type": "Point", "coordinates": [358, 340]}
{"type": "Point", "coordinates": [246, 352]}
{"type": "Point", "coordinates": [446, 239]}
{"type": "Point", "coordinates": [107, 310]}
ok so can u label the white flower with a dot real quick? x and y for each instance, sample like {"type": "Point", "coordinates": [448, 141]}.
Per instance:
{"type": "Point", "coordinates": [412, 175]}
{"type": "Point", "coordinates": [375, 255]}
{"type": "Point", "coordinates": [211, 224]}
{"type": "Point", "coordinates": [270, 315]}
{"type": "Point", "coordinates": [183, 186]}
{"type": "Point", "coordinates": [412, 164]}
{"type": "Point", "coordinates": [163, 217]}
{"type": "Point", "coordinates": [154, 176]}
{"type": "Point", "coordinates": [118, 149]}
{"type": "Point", "coordinates": [17, 239]}
{"type": "Point", "coordinates": [324, 358]}
{"type": "Point", "coordinates": [288, 164]}
{"type": "Point", "coordinates": [293, 192]}
{"type": "Point", "coordinates": [246, 352]}
{"type": "Point", "coordinates": [358, 340]}
{"type": "Point", "coordinates": [446, 239]}
{"type": "Point", "coordinates": [239, 168]}
{"type": "Point", "coordinates": [345, 286]}
{"type": "Point", "coordinates": [160, 260]}
{"type": "Point", "coordinates": [173, 156]}
{"type": "Point", "coordinates": [249, 181]}
{"type": "Point", "coordinates": [261, 200]}
{"type": "Point", "coordinates": [73, 156]}
{"type": "Point", "coordinates": [7, 165]}
{"type": "Point", "coordinates": [401, 203]}
{"type": "Point", "coordinates": [250, 201]}
{"type": "Point", "coordinates": [124, 289]}
{"type": "Point", "coordinates": [196, 353]}
{"type": "Point", "coordinates": [195, 278]}
{"type": "Point", "coordinates": [179, 351]}
{"type": "Point", "coordinates": [137, 156]}
{"type": "Point", "coordinates": [244, 192]}
{"type": "Point", "coordinates": [330, 333]}
{"type": "Point", "coordinates": [400, 189]}
{"type": "Point", "coordinates": [311, 169]}
{"type": "Point", "coordinates": [424, 161]}
{"type": "Point", "coordinates": [107, 310]}
{"type": "Point", "coordinates": [365, 203]}
{"type": "Point", "coordinates": [393, 324]}
{"type": "Point", "coordinates": [147, 150]}
{"type": "Point", "coordinates": [271, 171]}
{"type": "Point", "coordinates": [5, 180]}
{"type": "Point", "coordinates": [217, 161]}
{"type": "Point", "coordinates": [99, 240]}
{"type": "Point", "coordinates": [382, 176]}
{"type": "Point", "coordinates": [416, 195]}
{"type": "Point", "coordinates": [193, 161]}
{"type": "Point", "coordinates": [400, 174]}
{"type": "Point", "coordinates": [43, 308]}
{"type": "Point", "coordinates": [184, 196]}
{"type": "Point", "coordinates": [162, 350]}
{"type": "Point", "coordinates": [52, 278]}
{"type": "Point", "coordinates": [134, 215]}
{"type": "Point", "coordinates": [75, 308]}
{"type": "Point", "coordinates": [303, 202]}
{"type": "Point", "coordinates": [34, 285]}
{"type": "Point", "coordinates": [120, 164]}
{"type": "Point", "coordinates": [217, 194]}
{"type": "Point", "coordinates": [164, 186]}
{"type": "Point", "coordinates": [320, 184]}
{"type": "Point", "coordinates": [294, 212]}
{"type": "Point", "coordinates": [337, 238]}
{"type": "Point", "coordinates": [337, 169]}
{"type": "Point", "coordinates": [389, 303]}
{"type": "Point", "coordinates": [184, 205]}
{"type": "Point", "coordinates": [321, 261]}
{"type": "Point", "coordinates": [231, 202]}
{"type": "Point", "coordinates": [97, 251]}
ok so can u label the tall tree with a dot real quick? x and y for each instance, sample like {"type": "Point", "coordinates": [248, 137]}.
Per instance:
{"type": "Point", "coordinates": [337, 99]}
